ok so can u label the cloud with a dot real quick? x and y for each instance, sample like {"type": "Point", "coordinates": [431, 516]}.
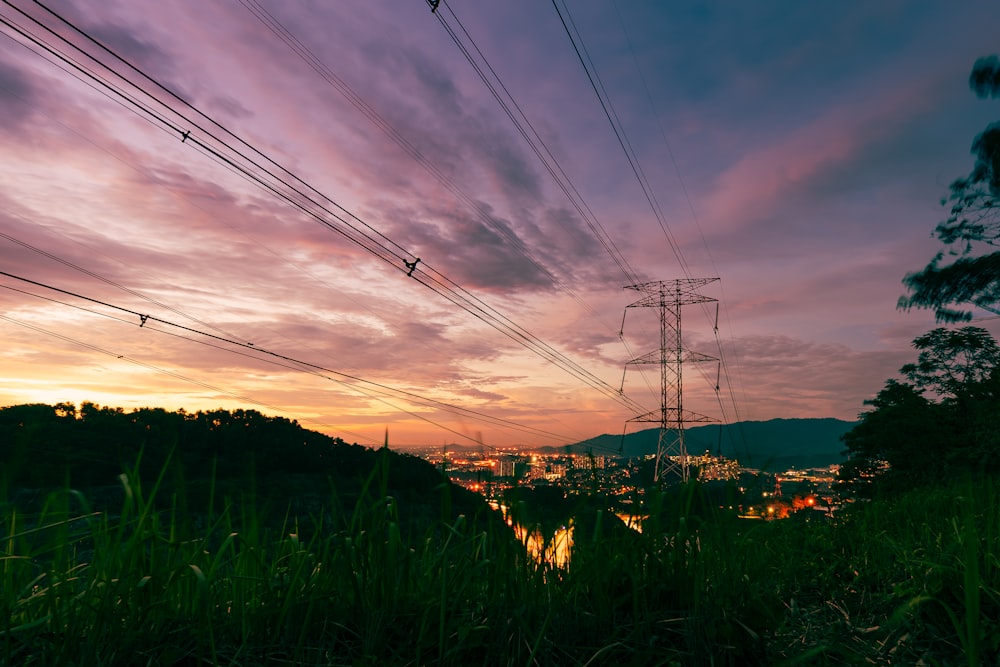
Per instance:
{"type": "Point", "coordinates": [457, 243]}
{"type": "Point", "coordinates": [229, 106]}
{"type": "Point", "coordinates": [820, 159]}
{"type": "Point", "coordinates": [18, 97]}
{"type": "Point", "coordinates": [786, 376]}
{"type": "Point", "coordinates": [121, 37]}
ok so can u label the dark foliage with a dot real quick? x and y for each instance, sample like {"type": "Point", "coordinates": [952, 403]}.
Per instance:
{"type": "Point", "coordinates": [967, 273]}
{"type": "Point", "coordinates": [215, 457]}
{"type": "Point", "coordinates": [943, 422]}
{"type": "Point", "coordinates": [985, 77]}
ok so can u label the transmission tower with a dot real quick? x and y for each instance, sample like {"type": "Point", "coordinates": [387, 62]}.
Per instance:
{"type": "Point", "coordinates": [669, 296]}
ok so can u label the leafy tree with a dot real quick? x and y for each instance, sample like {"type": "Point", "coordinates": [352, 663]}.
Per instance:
{"type": "Point", "coordinates": [35, 444]}
{"type": "Point", "coordinates": [897, 442]}
{"type": "Point", "coordinates": [942, 422]}
{"type": "Point", "coordinates": [952, 360]}
{"type": "Point", "coordinates": [971, 275]}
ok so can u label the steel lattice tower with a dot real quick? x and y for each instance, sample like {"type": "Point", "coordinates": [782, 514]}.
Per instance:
{"type": "Point", "coordinates": [669, 296]}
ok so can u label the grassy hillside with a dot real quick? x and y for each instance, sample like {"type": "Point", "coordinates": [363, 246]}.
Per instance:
{"type": "Point", "coordinates": [908, 580]}
{"type": "Point", "coordinates": [225, 565]}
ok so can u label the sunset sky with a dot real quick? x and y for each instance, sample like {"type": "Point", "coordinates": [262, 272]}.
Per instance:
{"type": "Point", "coordinates": [796, 151]}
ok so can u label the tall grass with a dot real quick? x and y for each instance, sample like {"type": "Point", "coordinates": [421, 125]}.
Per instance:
{"type": "Point", "coordinates": [902, 580]}
{"type": "Point", "coordinates": [892, 582]}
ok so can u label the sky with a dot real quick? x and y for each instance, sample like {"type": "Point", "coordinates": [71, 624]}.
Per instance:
{"type": "Point", "coordinates": [798, 152]}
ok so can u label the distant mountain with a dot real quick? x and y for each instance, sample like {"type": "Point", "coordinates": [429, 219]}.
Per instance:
{"type": "Point", "coordinates": [776, 444]}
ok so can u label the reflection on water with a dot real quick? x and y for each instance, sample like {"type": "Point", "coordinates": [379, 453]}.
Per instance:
{"type": "Point", "coordinates": [556, 549]}
{"type": "Point", "coordinates": [633, 521]}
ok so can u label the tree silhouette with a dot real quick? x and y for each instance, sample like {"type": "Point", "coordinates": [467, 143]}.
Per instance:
{"type": "Point", "coordinates": [217, 454]}
{"type": "Point", "coordinates": [952, 360]}
{"type": "Point", "coordinates": [967, 272]}
{"type": "Point", "coordinates": [909, 438]}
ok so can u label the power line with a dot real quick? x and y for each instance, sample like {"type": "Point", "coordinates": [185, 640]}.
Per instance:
{"type": "Point", "coordinates": [276, 27]}
{"type": "Point", "coordinates": [619, 131]}
{"type": "Point", "coordinates": [107, 281]}
{"type": "Point", "coordinates": [605, 101]}
{"type": "Point", "coordinates": [133, 166]}
{"type": "Point", "coordinates": [371, 114]}
{"type": "Point", "coordinates": [152, 367]}
{"type": "Point", "coordinates": [508, 103]}
{"type": "Point", "coordinates": [694, 215]}
{"type": "Point", "coordinates": [524, 127]}
{"type": "Point", "coordinates": [296, 192]}
{"type": "Point", "coordinates": [292, 363]}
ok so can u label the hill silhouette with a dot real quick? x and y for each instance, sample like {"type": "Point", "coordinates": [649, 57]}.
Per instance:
{"type": "Point", "coordinates": [206, 460]}
{"type": "Point", "coordinates": [775, 444]}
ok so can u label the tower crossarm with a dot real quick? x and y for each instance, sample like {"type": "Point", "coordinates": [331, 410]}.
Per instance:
{"type": "Point", "coordinates": [697, 357]}
{"type": "Point", "coordinates": [673, 417]}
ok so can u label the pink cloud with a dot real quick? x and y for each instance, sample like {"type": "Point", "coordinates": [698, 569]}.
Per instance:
{"type": "Point", "coordinates": [776, 172]}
